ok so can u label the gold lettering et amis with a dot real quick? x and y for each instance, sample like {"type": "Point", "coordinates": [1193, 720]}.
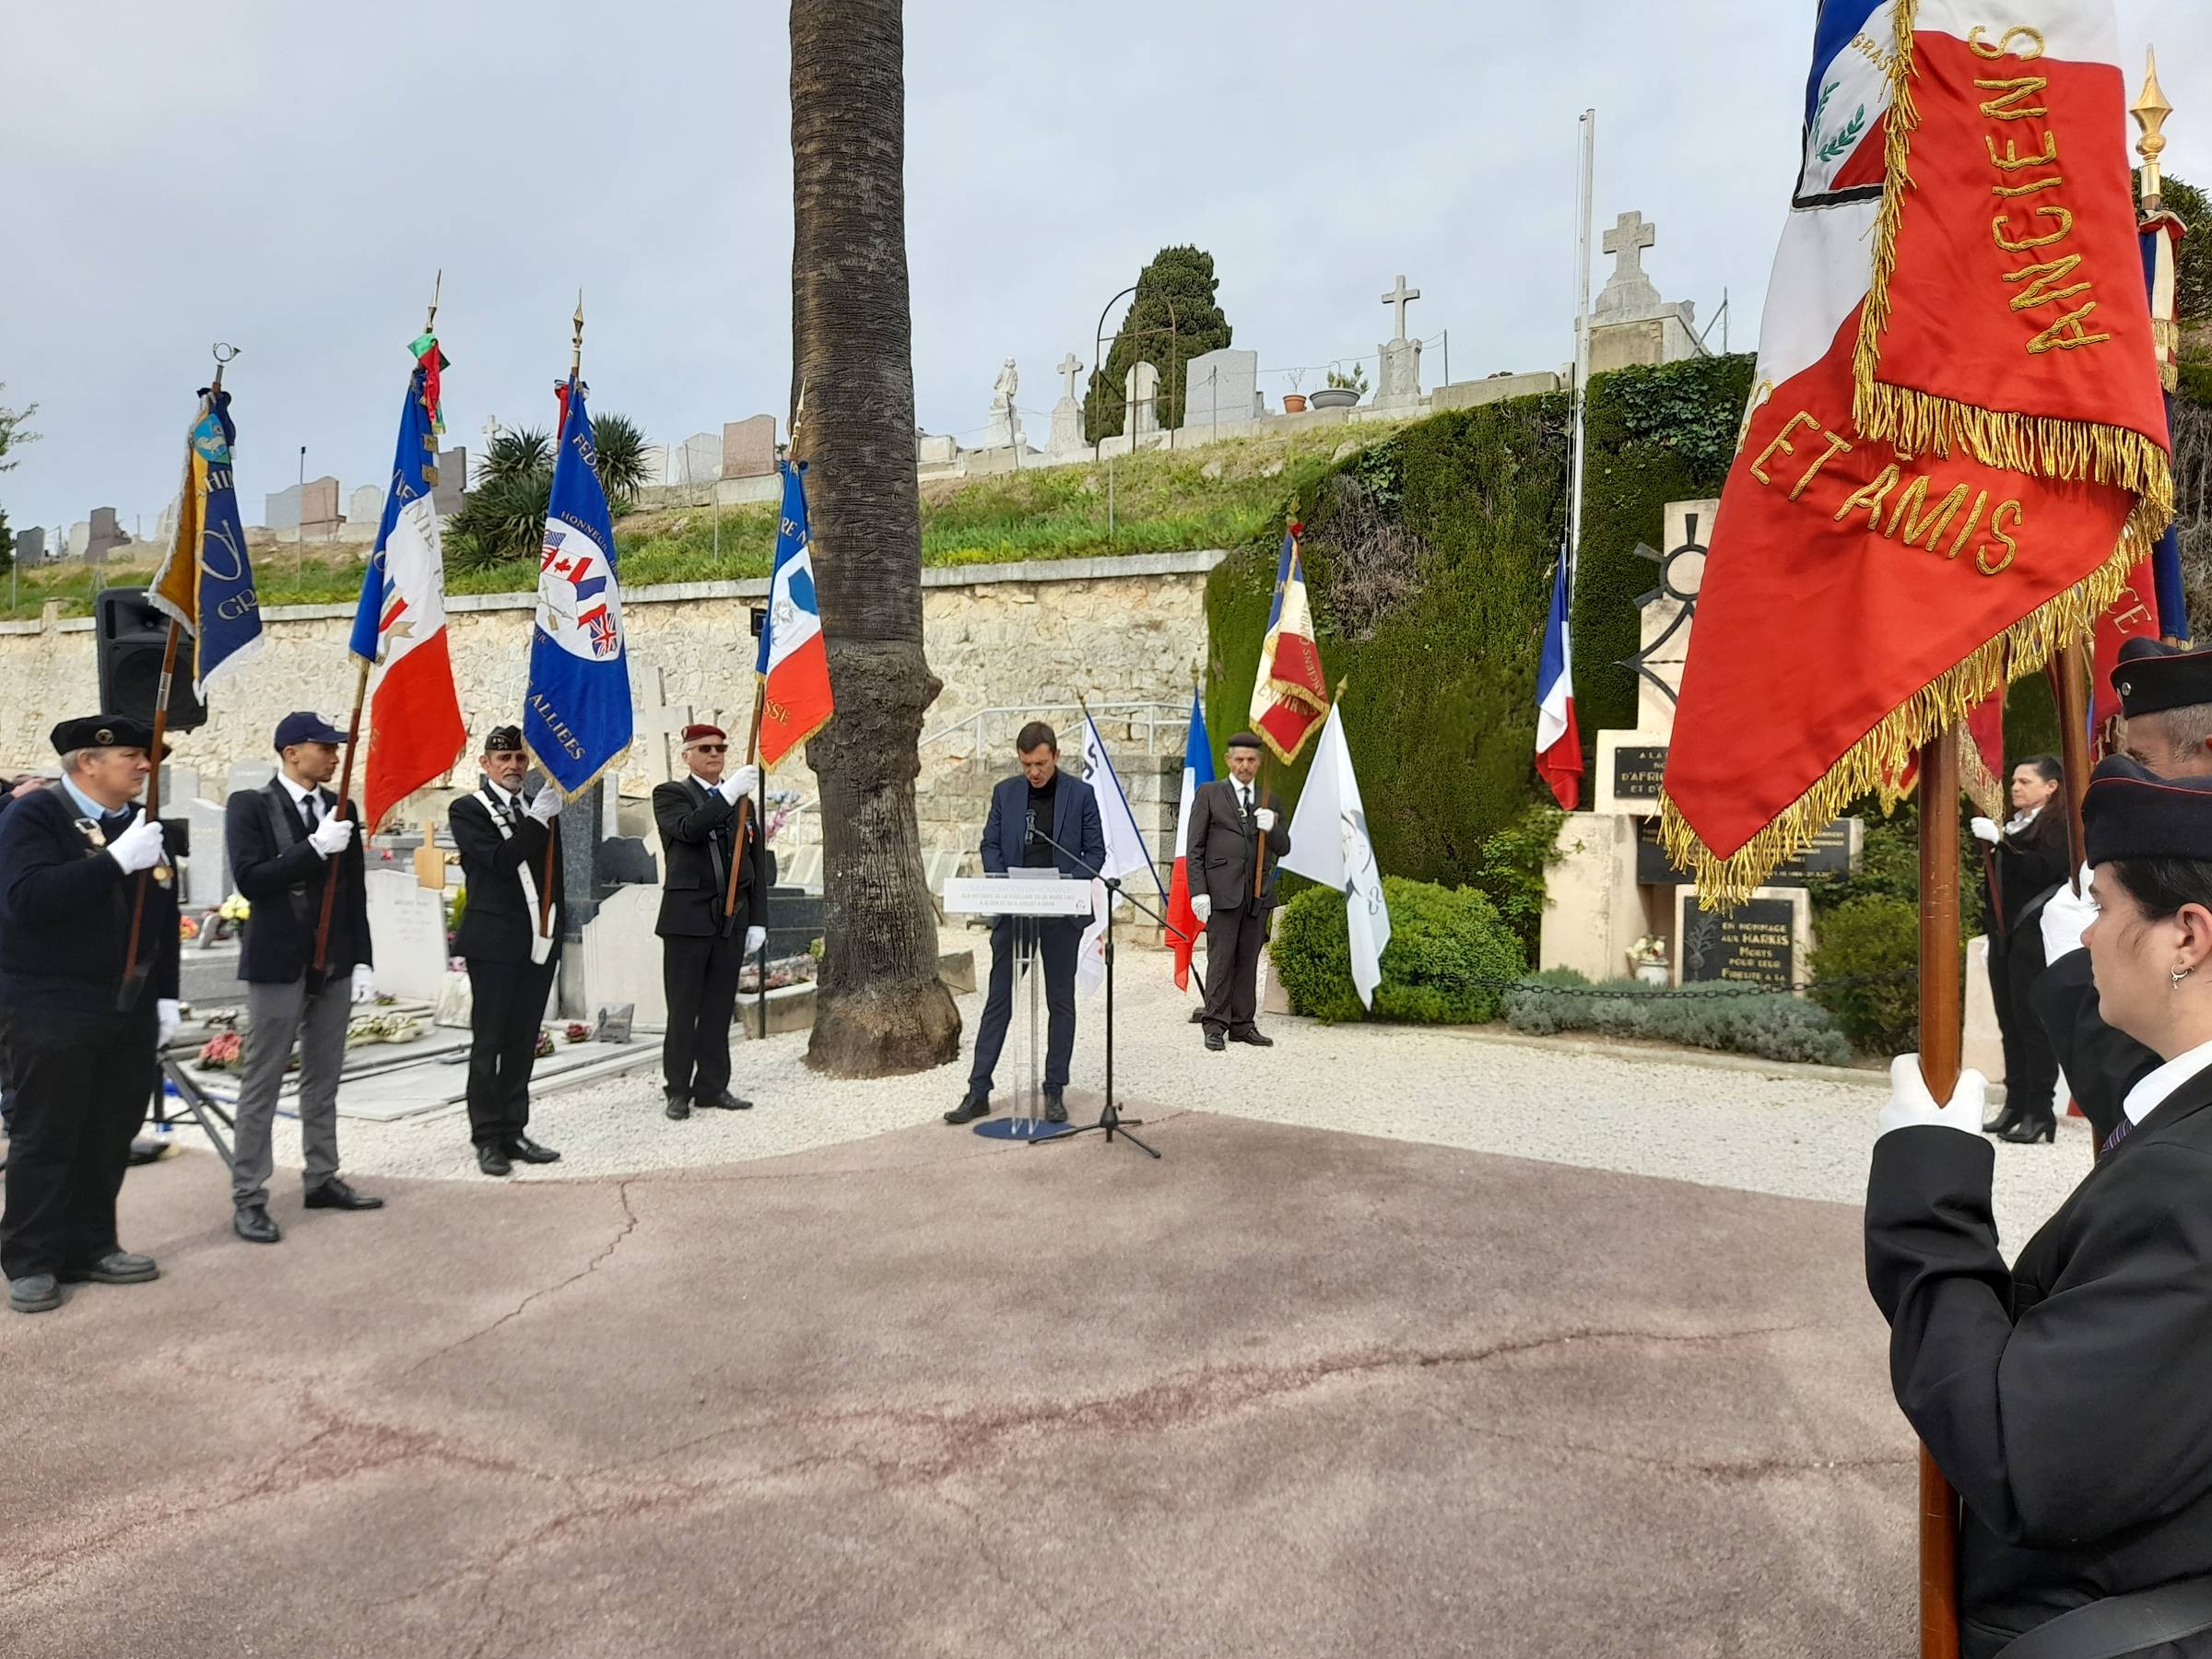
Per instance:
{"type": "Point", "coordinates": [1901, 515]}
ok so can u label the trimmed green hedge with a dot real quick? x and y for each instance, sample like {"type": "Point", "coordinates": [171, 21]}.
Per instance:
{"type": "Point", "coordinates": [1774, 1026]}
{"type": "Point", "coordinates": [1868, 936]}
{"type": "Point", "coordinates": [1443, 942]}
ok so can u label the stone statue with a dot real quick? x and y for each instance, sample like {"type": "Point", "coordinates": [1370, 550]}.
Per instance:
{"type": "Point", "coordinates": [1005, 428]}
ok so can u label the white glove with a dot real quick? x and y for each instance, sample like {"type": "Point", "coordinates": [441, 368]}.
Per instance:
{"type": "Point", "coordinates": [1202, 907]}
{"type": "Point", "coordinates": [330, 837]}
{"type": "Point", "coordinates": [727, 789]}
{"type": "Point", "coordinates": [742, 781]}
{"type": "Point", "coordinates": [1986, 830]}
{"type": "Point", "coordinates": [544, 805]}
{"type": "Point", "coordinates": [2066, 916]}
{"type": "Point", "coordinates": [140, 847]}
{"type": "Point", "coordinates": [165, 1020]}
{"type": "Point", "coordinates": [1911, 1103]}
{"type": "Point", "coordinates": [1264, 818]}
{"type": "Point", "coordinates": [364, 983]}
{"type": "Point", "coordinates": [754, 938]}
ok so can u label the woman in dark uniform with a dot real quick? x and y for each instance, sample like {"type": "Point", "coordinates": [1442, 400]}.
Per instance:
{"type": "Point", "coordinates": [2065, 1398]}
{"type": "Point", "coordinates": [2028, 858]}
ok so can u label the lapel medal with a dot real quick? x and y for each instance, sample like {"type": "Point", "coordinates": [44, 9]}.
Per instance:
{"type": "Point", "coordinates": [93, 834]}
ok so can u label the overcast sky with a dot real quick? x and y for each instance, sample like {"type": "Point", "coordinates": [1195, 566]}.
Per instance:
{"type": "Point", "coordinates": [288, 177]}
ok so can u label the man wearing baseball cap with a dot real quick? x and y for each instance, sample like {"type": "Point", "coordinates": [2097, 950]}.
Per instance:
{"type": "Point", "coordinates": [286, 841]}
{"type": "Point", "coordinates": [81, 1037]}
{"type": "Point", "coordinates": [701, 949]}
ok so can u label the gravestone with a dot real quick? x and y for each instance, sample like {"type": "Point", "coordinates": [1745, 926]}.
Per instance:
{"type": "Point", "coordinates": [1067, 440]}
{"type": "Point", "coordinates": [656, 721]}
{"type": "Point", "coordinates": [452, 482]}
{"type": "Point", "coordinates": [281, 510]}
{"type": "Point", "coordinates": [1764, 941]}
{"type": "Point", "coordinates": [1140, 400]}
{"type": "Point", "coordinates": [80, 536]}
{"type": "Point", "coordinates": [698, 460]}
{"type": "Point", "coordinates": [365, 509]}
{"type": "Point", "coordinates": [206, 875]}
{"type": "Point", "coordinates": [1832, 856]}
{"type": "Point", "coordinates": [319, 508]}
{"type": "Point", "coordinates": [1220, 386]}
{"type": "Point", "coordinates": [407, 923]}
{"type": "Point", "coordinates": [248, 774]}
{"type": "Point", "coordinates": [103, 536]}
{"type": "Point", "coordinates": [748, 447]}
{"type": "Point", "coordinates": [30, 545]}
{"type": "Point", "coordinates": [938, 450]}
{"type": "Point", "coordinates": [1629, 324]}
{"type": "Point", "coordinates": [1398, 383]}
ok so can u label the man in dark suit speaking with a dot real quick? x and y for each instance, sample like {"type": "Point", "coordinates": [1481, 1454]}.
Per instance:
{"type": "Point", "coordinates": [1230, 823]}
{"type": "Point", "coordinates": [701, 949]}
{"type": "Point", "coordinates": [1029, 815]}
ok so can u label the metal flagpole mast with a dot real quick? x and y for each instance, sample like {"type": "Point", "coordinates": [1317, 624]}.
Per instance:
{"type": "Point", "coordinates": [1582, 338]}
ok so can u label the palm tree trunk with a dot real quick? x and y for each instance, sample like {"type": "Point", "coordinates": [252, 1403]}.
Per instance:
{"type": "Point", "coordinates": [879, 1006]}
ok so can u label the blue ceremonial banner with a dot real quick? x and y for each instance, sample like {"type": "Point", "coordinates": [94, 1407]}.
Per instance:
{"type": "Point", "coordinates": [576, 720]}
{"type": "Point", "coordinates": [206, 583]}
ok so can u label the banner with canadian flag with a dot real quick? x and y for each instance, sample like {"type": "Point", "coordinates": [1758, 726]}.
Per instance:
{"type": "Point", "coordinates": [1956, 450]}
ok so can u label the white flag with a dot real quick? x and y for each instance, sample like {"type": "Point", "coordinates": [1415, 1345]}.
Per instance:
{"type": "Point", "coordinates": [1329, 844]}
{"type": "Point", "coordinates": [1125, 854]}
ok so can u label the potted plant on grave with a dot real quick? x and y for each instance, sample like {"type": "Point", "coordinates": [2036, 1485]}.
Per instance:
{"type": "Point", "coordinates": [1343, 390]}
{"type": "Point", "coordinates": [1294, 402]}
{"type": "Point", "coordinates": [1648, 961]}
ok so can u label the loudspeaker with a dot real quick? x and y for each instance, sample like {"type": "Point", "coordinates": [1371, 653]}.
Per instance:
{"type": "Point", "coordinates": [130, 636]}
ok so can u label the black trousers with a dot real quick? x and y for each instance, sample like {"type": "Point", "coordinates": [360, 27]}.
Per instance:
{"type": "Point", "coordinates": [1233, 967]}
{"type": "Point", "coordinates": [1059, 938]}
{"type": "Point", "coordinates": [2031, 1064]}
{"type": "Point", "coordinates": [699, 977]}
{"type": "Point", "coordinates": [82, 1084]}
{"type": "Point", "coordinates": [507, 1004]}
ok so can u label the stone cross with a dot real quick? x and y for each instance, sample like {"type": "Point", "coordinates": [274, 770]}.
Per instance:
{"type": "Point", "coordinates": [654, 713]}
{"type": "Point", "coordinates": [1069, 369]}
{"type": "Point", "coordinates": [1399, 297]}
{"type": "Point", "coordinates": [1632, 233]}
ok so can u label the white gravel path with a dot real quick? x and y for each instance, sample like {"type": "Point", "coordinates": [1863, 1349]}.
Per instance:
{"type": "Point", "coordinates": [1721, 1123]}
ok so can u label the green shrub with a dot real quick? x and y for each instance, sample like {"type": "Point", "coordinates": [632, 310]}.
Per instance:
{"type": "Point", "coordinates": [1771, 1025]}
{"type": "Point", "coordinates": [1864, 936]}
{"type": "Point", "coordinates": [1515, 859]}
{"type": "Point", "coordinates": [1449, 958]}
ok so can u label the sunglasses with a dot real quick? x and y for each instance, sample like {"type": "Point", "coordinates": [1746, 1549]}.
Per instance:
{"type": "Point", "coordinates": [710, 749]}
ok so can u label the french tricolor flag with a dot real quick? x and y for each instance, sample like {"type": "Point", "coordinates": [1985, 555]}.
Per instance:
{"type": "Point", "coordinates": [1558, 745]}
{"type": "Point", "coordinates": [795, 702]}
{"type": "Point", "coordinates": [1197, 771]}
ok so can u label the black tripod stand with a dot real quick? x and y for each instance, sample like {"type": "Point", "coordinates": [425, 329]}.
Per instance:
{"type": "Point", "coordinates": [198, 1104]}
{"type": "Point", "coordinates": [1109, 1121]}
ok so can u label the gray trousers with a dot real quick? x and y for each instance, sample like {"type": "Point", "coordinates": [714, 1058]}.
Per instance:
{"type": "Point", "coordinates": [275, 1015]}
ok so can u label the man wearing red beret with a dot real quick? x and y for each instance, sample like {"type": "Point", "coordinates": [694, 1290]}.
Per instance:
{"type": "Point", "coordinates": [701, 948]}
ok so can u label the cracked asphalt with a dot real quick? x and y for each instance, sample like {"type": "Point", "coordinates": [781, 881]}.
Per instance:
{"type": "Point", "coordinates": [1290, 1392]}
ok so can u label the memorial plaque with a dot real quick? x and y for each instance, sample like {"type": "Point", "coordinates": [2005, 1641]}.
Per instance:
{"type": "Point", "coordinates": [1755, 944]}
{"type": "Point", "coordinates": [1639, 773]}
{"type": "Point", "coordinates": [1832, 856]}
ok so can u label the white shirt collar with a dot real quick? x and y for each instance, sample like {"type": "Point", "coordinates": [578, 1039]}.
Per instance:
{"type": "Point", "coordinates": [85, 806]}
{"type": "Point", "coordinates": [2155, 1089]}
{"type": "Point", "coordinates": [506, 798]}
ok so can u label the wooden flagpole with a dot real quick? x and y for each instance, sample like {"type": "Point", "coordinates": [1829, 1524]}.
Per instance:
{"type": "Point", "coordinates": [1941, 1034]}
{"type": "Point", "coordinates": [744, 805]}
{"type": "Point", "coordinates": [545, 886]}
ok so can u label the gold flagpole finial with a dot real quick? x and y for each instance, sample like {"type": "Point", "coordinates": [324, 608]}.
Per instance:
{"type": "Point", "coordinates": [437, 287]}
{"type": "Point", "coordinates": [2150, 111]}
{"type": "Point", "coordinates": [576, 356]}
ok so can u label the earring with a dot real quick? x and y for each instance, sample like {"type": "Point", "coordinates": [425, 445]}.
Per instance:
{"type": "Point", "coordinates": [2176, 977]}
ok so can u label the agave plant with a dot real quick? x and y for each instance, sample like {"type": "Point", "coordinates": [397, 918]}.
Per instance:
{"type": "Point", "coordinates": [521, 451]}
{"type": "Point", "coordinates": [621, 443]}
{"type": "Point", "coordinates": [503, 518]}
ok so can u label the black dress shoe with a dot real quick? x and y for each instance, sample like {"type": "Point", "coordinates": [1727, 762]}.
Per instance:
{"type": "Point", "coordinates": [522, 1149]}
{"type": "Point", "coordinates": [1258, 1038]}
{"type": "Point", "coordinates": [974, 1106]}
{"type": "Point", "coordinates": [1055, 1109]}
{"type": "Point", "coordinates": [35, 1293]}
{"type": "Point", "coordinates": [678, 1105]}
{"type": "Point", "coordinates": [492, 1160]}
{"type": "Point", "coordinates": [253, 1225]}
{"type": "Point", "coordinates": [335, 1194]}
{"type": "Point", "coordinates": [722, 1099]}
{"type": "Point", "coordinates": [1216, 1040]}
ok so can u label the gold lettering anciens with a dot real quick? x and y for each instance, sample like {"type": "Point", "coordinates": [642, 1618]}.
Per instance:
{"type": "Point", "coordinates": [2048, 281]}
{"type": "Point", "coordinates": [1912, 519]}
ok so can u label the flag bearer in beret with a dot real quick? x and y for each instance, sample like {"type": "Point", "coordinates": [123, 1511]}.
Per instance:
{"type": "Point", "coordinates": [82, 1068]}
{"type": "Point", "coordinates": [284, 841]}
{"type": "Point", "coordinates": [701, 949]}
{"type": "Point", "coordinates": [1231, 824]}
{"type": "Point", "coordinates": [2166, 698]}
{"type": "Point", "coordinates": [502, 840]}
{"type": "Point", "coordinates": [2063, 1395]}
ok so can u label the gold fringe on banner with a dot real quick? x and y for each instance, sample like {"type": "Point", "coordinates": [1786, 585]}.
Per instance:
{"type": "Point", "coordinates": [1985, 791]}
{"type": "Point", "coordinates": [1921, 423]}
{"type": "Point", "coordinates": [1945, 701]}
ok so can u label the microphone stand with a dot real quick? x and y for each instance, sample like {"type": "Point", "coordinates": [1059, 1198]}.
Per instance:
{"type": "Point", "coordinates": [1110, 1120]}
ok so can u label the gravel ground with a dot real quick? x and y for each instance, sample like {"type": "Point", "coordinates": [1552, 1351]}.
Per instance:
{"type": "Point", "coordinates": [1784, 1131]}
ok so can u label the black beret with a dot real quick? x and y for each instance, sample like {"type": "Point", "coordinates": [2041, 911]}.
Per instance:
{"type": "Point", "coordinates": [103, 731]}
{"type": "Point", "coordinates": [2130, 812]}
{"type": "Point", "coordinates": [503, 740]}
{"type": "Point", "coordinates": [1243, 740]}
{"type": "Point", "coordinates": [2152, 677]}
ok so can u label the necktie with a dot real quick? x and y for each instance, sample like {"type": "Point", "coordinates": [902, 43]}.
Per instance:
{"type": "Point", "coordinates": [1245, 800]}
{"type": "Point", "coordinates": [2118, 1134]}
{"type": "Point", "coordinates": [307, 810]}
